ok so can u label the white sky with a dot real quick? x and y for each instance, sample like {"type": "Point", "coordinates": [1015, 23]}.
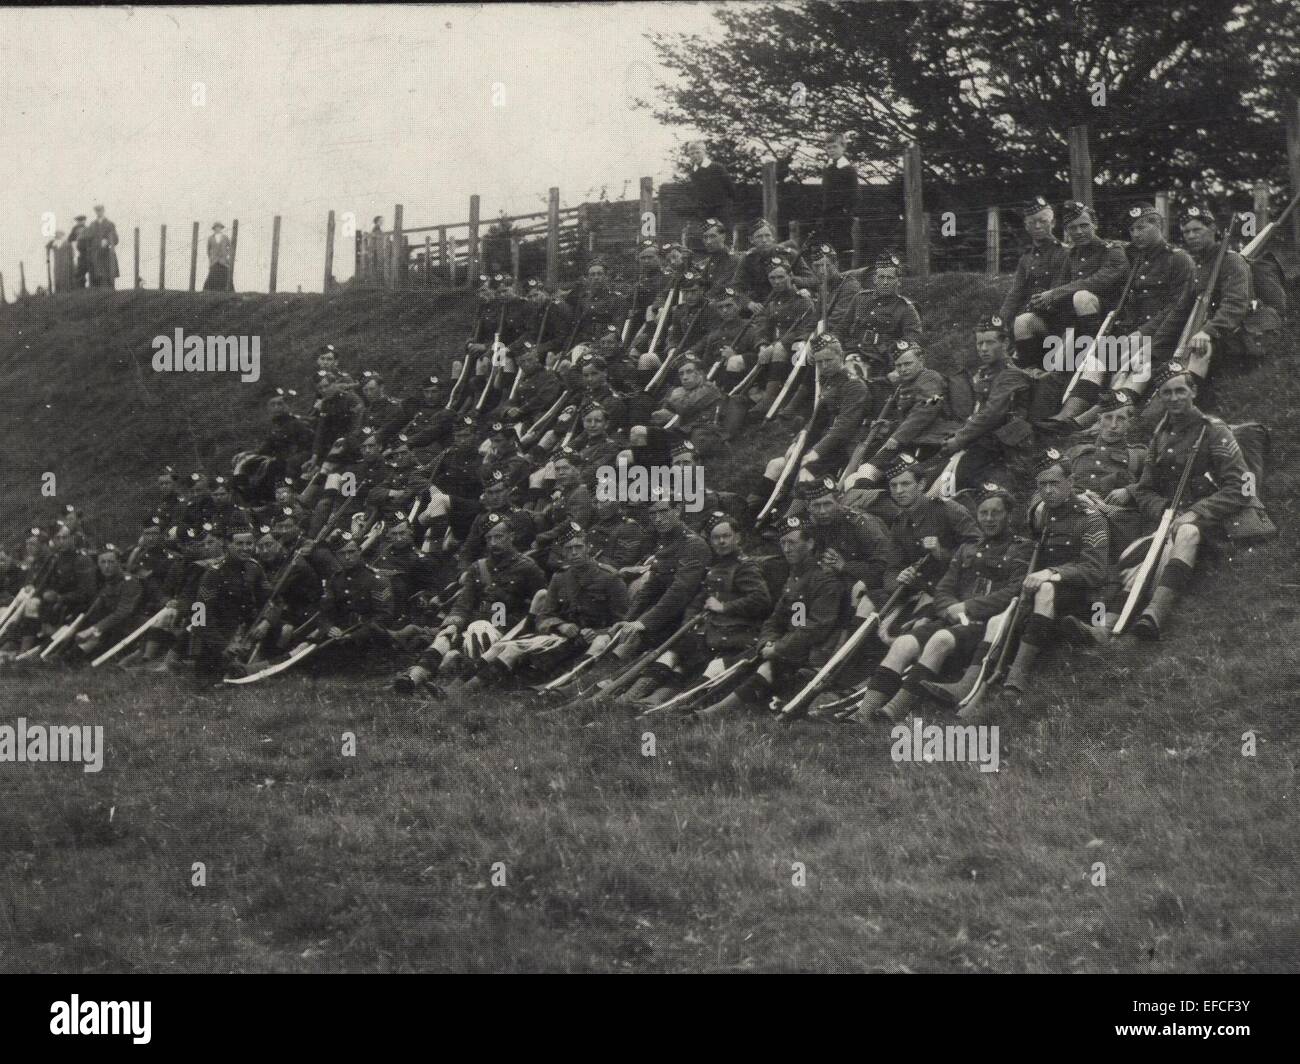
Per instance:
{"type": "Point", "coordinates": [316, 108]}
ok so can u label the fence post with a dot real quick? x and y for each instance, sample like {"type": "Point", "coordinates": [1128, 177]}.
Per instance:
{"type": "Point", "coordinates": [1259, 196]}
{"type": "Point", "coordinates": [444, 256]}
{"type": "Point", "coordinates": [471, 249]}
{"type": "Point", "coordinates": [275, 253]}
{"type": "Point", "coordinates": [329, 253]}
{"type": "Point", "coordinates": [914, 212]}
{"type": "Point", "coordinates": [234, 246]}
{"type": "Point", "coordinates": [49, 269]}
{"type": "Point", "coordinates": [796, 233]}
{"type": "Point", "coordinates": [428, 261]}
{"type": "Point", "coordinates": [582, 239]}
{"type": "Point", "coordinates": [162, 259]}
{"type": "Point", "coordinates": [856, 231]}
{"type": "Point", "coordinates": [1293, 161]}
{"type": "Point", "coordinates": [194, 255]}
{"type": "Point", "coordinates": [22, 281]}
{"type": "Point", "coordinates": [553, 235]}
{"type": "Point", "coordinates": [514, 258]}
{"type": "Point", "coordinates": [1162, 205]}
{"type": "Point", "coordinates": [770, 205]}
{"type": "Point", "coordinates": [993, 243]}
{"type": "Point", "coordinates": [1080, 165]}
{"type": "Point", "coordinates": [2, 287]}
{"type": "Point", "coordinates": [135, 273]}
{"type": "Point", "coordinates": [647, 208]}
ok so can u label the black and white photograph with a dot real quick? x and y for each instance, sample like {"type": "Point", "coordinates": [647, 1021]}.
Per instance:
{"type": "Point", "coordinates": [652, 488]}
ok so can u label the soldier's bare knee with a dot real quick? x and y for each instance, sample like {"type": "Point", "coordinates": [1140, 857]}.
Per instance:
{"type": "Point", "coordinates": [942, 642]}
{"type": "Point", "coordinates": [1045, 598]}
{"type": "Point", "coordinates": [1187, 536]}
{"type": "Point", "coordinates": [1027, 325]}
{"type": "Point", "coordinates": [1086, 302]}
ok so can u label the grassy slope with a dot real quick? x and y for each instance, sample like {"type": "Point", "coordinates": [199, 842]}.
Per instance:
{"type": "Point", "coordinates": [615, 860]}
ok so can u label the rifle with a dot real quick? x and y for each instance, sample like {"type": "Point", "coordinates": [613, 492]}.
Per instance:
{"type": "Point", "coordinates": [707, 685]}
{"type": "Point", "coordinates": [628, 675]}
{"type": "Point", "coordinates": [947, 478]}
{"type": "Point", "coordinates": [662, 371]}
{"type": "Point", "coordinates": [994, 663]}
{"type": "Point", "coordinates": [498, 353]}
{"type": "Point", "coordinates": [823, 324]}
{"type": "Point", "coordinates": [626, 336]}
{"type": "Point", "coordinates": [1162, 533]}
{"type": "Point", "coordinates": [864, 448]}
{"type": "Point", "coordinates": [465, 368]}
{"type": "Point", "coordinates": [122, 644]}
{"type": "Point", "coordinates": [1201, 308]}
{"type": "Point", "coordinates": [673, 291]}
{"type": "Point", "coordinates": [795, 454]}
{"type": "Point", "coordinates": [554, 409]}
{"type": "Point", "coordinates": [793, 709]}
{"type": "Point", "coordinates": [304, 651]}
{"type": "Point", "coordinates": [717, 362]}
{"type": "Point", "coordinates": [25, 594]}
{"type": "Point", "coordinates": [1105, 328]}
{"type": "Point", "coordinates": [1252, 250]}
{"type": "Point", "coordinates": [586, 662]}
{"type": "Point", "coordinates": [796, 364]}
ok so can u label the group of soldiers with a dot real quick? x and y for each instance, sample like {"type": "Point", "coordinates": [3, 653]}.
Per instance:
{"type": "Point", "coordinates": [928, 535]}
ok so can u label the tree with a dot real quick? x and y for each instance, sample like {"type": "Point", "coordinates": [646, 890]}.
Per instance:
{"type": "Point", "coordinates": [1175, 94]}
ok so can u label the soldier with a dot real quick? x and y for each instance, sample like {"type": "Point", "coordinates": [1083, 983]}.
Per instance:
{"type": "Point", "coordinates": [114, 609]}
{"type": "Point", "coordinates": [616, 538]}
{"type": "Point", "coordinates": [497, 506]}
{"type": "Point", "coordinates": [1085, 287]}
{"type": "Point", "coordinates": [69, 588]}
{"type": "Point", "coordinates": [689, 322]}
{"type": "Point", "coordinates": [786, 319]}
{"type": "Point", "coordinates": [495, 591]}
{"type": "Point", "coordinates": [1040, 265]}
{"type": "Point", "coordinates": [733, 600]}
{"type": "Point", "coordinates": [1071, 573]}
{"type": "Point", "coordinates": [583, 598]}
{"type": "Point", "coordinates": [1223, 333]}
{"type": "Point", "coordinates": [356, 608]}
{"type": "Point", "coordinates": [689, 407]}
{"type": "Point", "coordinates": [981, 580]}
{"type": "Point", "coordinates": [232, 593]}
{"type": "Point", "coordinates": [429, 422]}
{"type": "Point", "coordinates": [756, 264]}
{"type": "Point", "coordinates": [800, 623]}
{"type": "Point", "coordinates": [1160, 274]}
{"type": "Point", "coordinates": [925, 528]}
{"type": "Point", "coordinates": [537, 391]}
{"type": "Point", "coordinates": [717, 266]}
{"type": "Point", "coordinates": [855, 546]}
{"type": "Point", "coordinates": [881, 317]}
{"type": "Point", "coordinates": [920, 418]}
{"type": "Point", "coordinates": [287, 444]}
{"type": "Point", "coordinates": [546, 320]}
{"type": "Point", "coordinates": [997, 430]}
{"type": "Point", "coordinates": [596, 305]}
{"type": "Point", "coordinates": [728, 349]}
{"type": "Point", "coordinates": [842, 293]}
{"type": "Point", "coordinates": [570, 503]}
{"type": "Point", "coordinates": [1215, 494]}
{"type": "Point", "coordinates": [844, 400]}
{"type": "Point", "coordinates": [296, 588]}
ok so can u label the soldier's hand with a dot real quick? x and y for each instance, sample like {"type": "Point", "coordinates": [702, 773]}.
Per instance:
{"type": "Point", "coordinates": [588, 634]}
{"type": "Point", "coordinates": [908, 576]}
{"type": "Point", "coordinates": [808, 458]}
{"type": "Point", "coordinates": [957, 612]}
{"type": "Point", "coordinates": [1188, 518]}
{"type": "Point", "coordinates": [1200, 344]}
{"type": "Point", "coordinates": [768, 652]}
{"type": "Point", "coordinates": [735, 364]}
{"type": "Point", "coordinates": [568, 630]}
{"type": "Point", "coordinates": [1036, 580]}
{"type": "Point", "coordinates": [890, 444]}
{"type": "Point", "coordinates": [754, 308]}
{"type": "Point", "coordinates": [932, 544]}
{"type": "Point", "coordinates": [833, 560]}
{"type": "Point", "coordinates": [333, 631]}
{"type": "Point", "coordinates": [259, 630]}
{"type": "Point", "coordinates": [714, 605]}
{"type": "Point", "coordinates": [765, 354]}
{"type": "Point", "coordinates": [1119, 497]}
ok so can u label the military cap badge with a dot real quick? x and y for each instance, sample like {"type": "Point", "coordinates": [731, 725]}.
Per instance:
{"type": "Point", "coordinates": [886, 260]}
{"type": "Point", "coordinates": [792, 524]}
{"type": "Point", "coordinates": [1051, 457]}
{"type": "Point", "coordinates": [904, 463]}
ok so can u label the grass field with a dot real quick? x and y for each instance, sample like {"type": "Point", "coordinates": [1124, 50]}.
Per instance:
{"type": "Point", "coordinates": [614, 860]}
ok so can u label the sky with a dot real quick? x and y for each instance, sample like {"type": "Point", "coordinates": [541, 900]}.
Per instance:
{"type": "Point", "coordinates": [176, 115]}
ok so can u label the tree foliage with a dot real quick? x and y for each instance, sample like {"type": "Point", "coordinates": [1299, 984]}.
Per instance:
{"type": "Point", "coordinates": [1175, 94]}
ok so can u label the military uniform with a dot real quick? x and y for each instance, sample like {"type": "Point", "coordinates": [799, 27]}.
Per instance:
{"type": "Point", "coordinates": [115, 605]}
{"type": "Point", "coordinates": [983, 577]}
{"type": "Point", "coordinates": [536, 394]}
{"type": "Point", "coordinates": [845, 400]}
{"type": "Point", "coordinates": [619, 540]}
{"type": "Point", "coordinates": [596, 309]}
{"type": "Point", "coordinates": [947, 521]}
{"type": "Point", "coordinates": [1077, 545]}
{"type": "Point", "coordinates": [751, 273]}
{"type": "Point", "coordinates": [408, 573]}
{"type": "Point", "coordinates": [233, 592]}
{"type": "Point", "coordinates": [718, 270]}
{"type": "Point", "coordinates": [694, 407]}
{"type": "Point", "coordinates": [1229, 304]}
{"type": "Point", "coordinates": [811, 595]}
{"type": "Point", "coordinates": [869, 553]}
{"type": "Point", "coordinates": [523, 531]}
{"type": "Point", "coordinates": [788, 317]}
{"type": "Point", "coordinates": [1037, 271]}
{"type": "Point", "coordinates": [1159, 278]}
{"type": "Point", "coordinates": [550, 334]}
{"type": "Point", "coordinates": [1104, 467]}
{"type": "Point", "coordinates": [997, 429]}
{"type": "Point", "coordinates": [511, 581]}
{"type": "Point", "coordinates": [676, 571]}
{"type": "Point", "coordinates": [922, 418]}
{"type": "Point", "coordinates": [737, 582]}
{"type": "Point", "coordinates": [588, 594]}
{"type": "Point", "coordinates": [1097, 266]}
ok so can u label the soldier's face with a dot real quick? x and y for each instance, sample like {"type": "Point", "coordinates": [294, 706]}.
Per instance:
{"type": "Point", "coordinates": [886, 279]}
{"type": "Point", "coordinates": [269, 549]}
{"type": "Point", "coordinates": [727, 309]}
{"type": "Point", "coordinates": [992, 517]}
{"type": "Point", "coordinates": [574, 551]}
{"type": "Point", "coordinates": [1177, 395]}
{"type": "Point", "coordinates": [1197, 236]}
{"type": "Point", "coordinates": [1113, 425]}
{"type": "Point", "coordinates": [371, 388]}
{"type": "Point", "coordinates": [796, 546]}
{"type": "Point", "coordinates": [1145, 232]}
{"type": "Point", "coordinates": [593, 377]}
{"type": "Point", "coordinates": [276, 405]}
{"type": "Point", "coordinates": [498, 538]}
{"type": "Point", "coordinates": [664, 518]}
{"type": "Point", "coordinates": [676, 258]}
{"type": "Point", "coordinates": [821, 509]}
{"type": "Point", "coordinates": [905, 489]}
{"type": "Point", "coordinates": [496, 496]}
{"type": "Point", "coordinates": [594, 422]}
{"type": "Point", "coordinates": [537, 296]}
{"type": "Point", "coordinates": [714, 239]}
{"type": "Point", "coordinates": [823, 267]}
{"type": "Point", "coordinates": [991, 347]}
{"type": "Point", "coordinates": [596, 274]}
{"type": "Point", "coordinates": [723, 540]}
{"type": "Point", "coordinates": [327, 361]}
{"type": "Point", "coordinates": [908, 366]}
{"type": "Point", "coordinates": [1039, 225]}
{"type": "Point", "coordinates": [150, 537]}
{"type": "Point", "coordinates": [1081, 230]}
{"type": "Point", "coordinates": [763, 239]}
{"type": "Point", "coordinates": [690, 376]}
{"type": "Point", "coordinates": [166, 485]}
{"type": "Point", "coordinates": [1054, 485]}
{"type": "Point", "coordinates": [565, 473]}
{"type": "Point", "coordinates": [370, 449]}
{"type": "Point", "coordinates": [648, 259]}
{"type": "Point", "coordinates": [286, 532]}
{"type": "Point", "coordinates": [109, 565]}
{"type": "Point", "coordinates": [64, 542]}
{"type": "Point", "coordinates": [400, 535]}
{"type": "Point", "coordinates": [241, 545]}
{"type": "Point", "coordinates": [779, 279]}
{"type": "Point", "coordinates": [349, 555]}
